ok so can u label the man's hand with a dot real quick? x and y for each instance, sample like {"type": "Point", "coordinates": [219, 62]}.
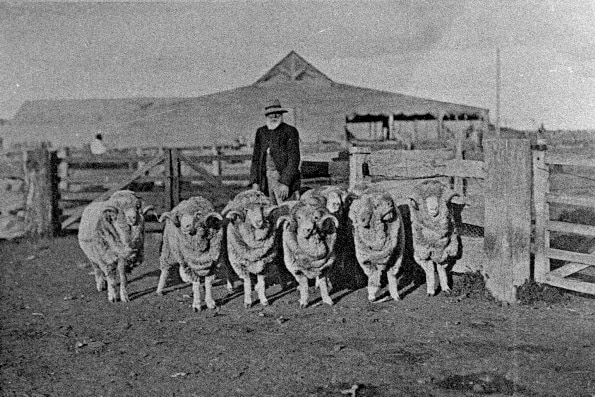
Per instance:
{"type": "Point", "coordinates": [255, 186]}
{"type": "Point", "coordinates": [283, 192]}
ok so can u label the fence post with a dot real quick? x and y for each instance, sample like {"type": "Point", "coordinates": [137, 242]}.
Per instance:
{"type": "Point", "coordinates": [541, 188]}
{"type": "Point", "coordinates": [507, 233]}
{"type": "Point", "coordinates": [216, 162]}
{"type": "Point", "coordinates": [172, 182]}
{"type": "Point", "coordinates": [459, 184]}
{"type": "Point", "coordinates": [41, 203]}
{"type": "Point", "coordinates": [357, 157]}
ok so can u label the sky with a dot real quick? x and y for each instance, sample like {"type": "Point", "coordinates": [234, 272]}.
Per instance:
{"type": "Point", "coordinates": [443, 50]}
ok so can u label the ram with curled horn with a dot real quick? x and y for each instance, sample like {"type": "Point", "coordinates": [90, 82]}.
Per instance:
{"type": "Point", "coordinates": [309, 233]}
{"type": "Point", "coordinates": [379, 239]}
{"type": "Point", "coordinates": [112, 235]}
{"type": "Point", "coordinates": [435, 234]}
{"type": "Point", "coordinates": [192, 239]}
{"type": "Point", "coordinates": [251, 240]}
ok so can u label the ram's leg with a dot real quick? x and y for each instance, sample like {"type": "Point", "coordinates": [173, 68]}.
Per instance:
{"type": "Point", "coordinates": [428, 267]}
{"type": "Point", "coordinates": [443, 278]}
{"type": "Point", "coordinates": [123, 281]}
{"type": "Point", "coordinates": [162, 277]}
{"type": "Point", "coordinates": [373, 284]}
{"type": "Point", "coordinates": [303, 288]}
{"type": "Point", "coordinates": [392, 286]}
{"type": "Point", "coordinates": [260, 289]}
{"type": "Point", "coordinates": [99, 278]}
{"type": "Point", "coordinates": [209, 292]}
{"type": "Point", "coordinates": [111, 285]}
{"type": "Point", "coordinates": [247, 292]}
{"type": "Point", "coordinates": [322, 284]}
{"type": "Point", "coordinates": [196, 298]}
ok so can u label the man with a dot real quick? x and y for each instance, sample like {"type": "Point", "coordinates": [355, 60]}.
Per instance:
{"type": "Point", "coordinates": [276, 157]}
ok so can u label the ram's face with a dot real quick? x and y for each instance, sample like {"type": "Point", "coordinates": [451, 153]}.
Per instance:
{"type": "Point", "coordinates": [432, 204]}
{"type": "Point", "coordinates": [255, 216]}
{"type": "Point", "coordinates": [334, 203]}
{"type": "Point", "coordinates": [308, 219]}
{"type": "Point", "coordinates": [189, 224]}
{"type": "Point", "coordinates": [132, 214]}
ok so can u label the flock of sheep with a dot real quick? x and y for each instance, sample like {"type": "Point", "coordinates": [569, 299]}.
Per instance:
{"type": "Point", "coordinates": [309, 237]}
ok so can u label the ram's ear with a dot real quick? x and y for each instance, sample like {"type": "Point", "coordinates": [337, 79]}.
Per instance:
{"type": "Point", "coordinates": [147, 209]}
{"type": "Point", "coordinates": [171, 217]}
{"type": "Point", "coordinates": [448, 194]}
{"type": "Point", "coordinates": [236, 216]}
{"type": "Point", "coordinates": [413, 203]}
{"type": "Point", "coordinates": [213, 220]}
{"type": "Point", "coordinates": [286, 220]}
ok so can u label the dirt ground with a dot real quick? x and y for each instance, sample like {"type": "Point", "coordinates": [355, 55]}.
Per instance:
{"type": "Point", "coordinates": [60, 337]}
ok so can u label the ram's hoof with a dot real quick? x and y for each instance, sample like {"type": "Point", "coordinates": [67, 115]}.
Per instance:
{"type": "Point", "coordinates": [211, 306]}
{"type": "Point", "coordinates": [124, 298]}
{"type": "Point", "coordinates": [158, 292]}
{"type": "Point", "coordinates": [303, 305]}
{"type": "Point", "coordinates": [264, 303]}
{"type": "Point", "coordinates": [328, 302]}
{"type": "Point", "coordinates": [247, 305]}
{"type": "Point", "coordinates": [196, 309]}
{"type": "Point", "coordinates": [447, 291]}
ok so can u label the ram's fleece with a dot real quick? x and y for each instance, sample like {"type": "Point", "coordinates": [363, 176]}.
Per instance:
{"type": "Point", "coordinates": [111, 234]}
{"type": "Point", "coordinates": [251, 240]}
{"type": "Point", "coordinates": [379, 239]}
{"type": "Point", "coordinates": [192, 239]}
{"type": "Point", "coordinates": [435, 236]}
{"type": "Point", "coordinates": [309, 236]}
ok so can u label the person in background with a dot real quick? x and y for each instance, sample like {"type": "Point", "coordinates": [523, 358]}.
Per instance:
{"type": "Point", "coordinates": [97, 146]}
{"type": "Point", "coordinates": [276, 156]}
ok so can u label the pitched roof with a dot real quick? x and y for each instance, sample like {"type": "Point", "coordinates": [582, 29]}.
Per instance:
{"type": "Point", "coordinates": [293, 68]}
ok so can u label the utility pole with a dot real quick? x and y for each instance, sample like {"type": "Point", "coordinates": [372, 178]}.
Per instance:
{"type": "Point", "coordinates": [498, 92]}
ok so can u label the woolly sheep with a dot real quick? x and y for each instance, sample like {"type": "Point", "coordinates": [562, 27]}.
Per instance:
{"type": "Point", "coordinates": [192, 239]}
{"type": "Point", "coordinates": [251, 240]}
{"type": "Point", "coordinates": [111, 234]}
{"type": "Point", "coordinates": [435, 237]}
{"type": "Point", "coordinates": [379, 239]}
{"type": "Point", "coordinates": [309, 235]}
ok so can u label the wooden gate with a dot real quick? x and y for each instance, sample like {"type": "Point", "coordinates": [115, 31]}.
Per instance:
{"type": "Point", "coordinates": [569, 266]}
{"type": "Point", "coordinates": [160, 176]}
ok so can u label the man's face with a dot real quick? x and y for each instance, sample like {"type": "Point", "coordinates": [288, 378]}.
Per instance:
{"type": "Point", "coordinates": [273, 120]}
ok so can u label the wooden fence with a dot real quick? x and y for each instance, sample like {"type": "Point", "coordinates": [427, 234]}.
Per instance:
{"type": "Point", "coordinates": [160, 176]}
{"type": "Point", "coordinates": [495, 195]}
{"type": "Point", "coordinates": [576, 261]}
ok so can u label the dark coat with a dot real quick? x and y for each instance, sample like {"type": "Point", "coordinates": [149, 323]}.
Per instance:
{"type": "Point", "coordinates": [284, 142]}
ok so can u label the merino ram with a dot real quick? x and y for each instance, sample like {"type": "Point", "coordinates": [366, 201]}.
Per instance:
{"type": "Point", "coordinates": [192, 238]}
{"type": "Point", "coordinates": [379, 239]}
{"type": "Point", "coordinates": [251, 240]}
{"type": "Point", "coordinates": [435, 236]}
{"type": "Point", "coordinates": [309, 236]}
{"type": "Point", "coordinates": [111, 234]}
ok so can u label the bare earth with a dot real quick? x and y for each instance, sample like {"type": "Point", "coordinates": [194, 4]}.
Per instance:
{"type": "Point", "coordinates": [60, 337]}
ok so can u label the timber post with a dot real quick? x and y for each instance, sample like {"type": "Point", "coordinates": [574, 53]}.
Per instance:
{"type": "Point", "coordinates": [357, 158]}
{"type": "Point", "coordinates": [507, 233]}
{"type": "Point", "coordinates": [542, 211]}
{"type": "Point", "coordinates": [41, 204]}
{"type": "Point", "coordinates": [172, 183]}
{"type": "Point", "coordinates": [217, 161]}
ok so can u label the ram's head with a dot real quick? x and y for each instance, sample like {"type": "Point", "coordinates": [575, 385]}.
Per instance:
{"type": "Point", "coordinates": [195, 216]}
{"type": "Point", "coordinates": [432, 197]}
{"type": "Point", "coordinates": [309, 219]}
{"type": "Point", "coordinates": [335, 199]}
{"type": "Point", "coordinates": [250, 206]}
{"type": "Point", "coordinates": [126, 203]}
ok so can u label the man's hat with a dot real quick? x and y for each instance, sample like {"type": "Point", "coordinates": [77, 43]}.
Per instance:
{"type": "Point", "coordinates": [274, 106]}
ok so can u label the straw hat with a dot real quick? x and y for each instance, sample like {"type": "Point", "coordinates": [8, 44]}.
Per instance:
{"type": "Point", "coordinates": [274, 106]}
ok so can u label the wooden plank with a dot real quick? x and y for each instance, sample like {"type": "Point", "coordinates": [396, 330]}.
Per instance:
{"type": "Point", "coordinates": [560, 159]}
{"type": "Point", "coordinates": [572, 228]}
{"type": "Point", "coordinates": [420, 169]}
{"type": "Point", "coordinates": [152, 163]}
{"type": "Point", "coordinates": [209, 158]}
{"type": "Point", "coordinates": [541, 187]}
{"type": "Point", "coordinates": [100, 159]}
{"type": "Point", "coordinates": [205, 174]}
{"type": "Point", "coordinates": [236, 177]}
{"type": "Point", "coordinates": [507, 232]}
{"type": "Point", "coordinates": [93, 180]}
{"type": "Point", "coordinates": [462, 168]}
{"type": "Point", "coordinates": [570, 284]}
{"type": "Point", "coordinates": [566, 199]}
{"type": "Point", "coordinates": [568, 269]}
{"type": "Point", "coordinates": [570, 256]}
